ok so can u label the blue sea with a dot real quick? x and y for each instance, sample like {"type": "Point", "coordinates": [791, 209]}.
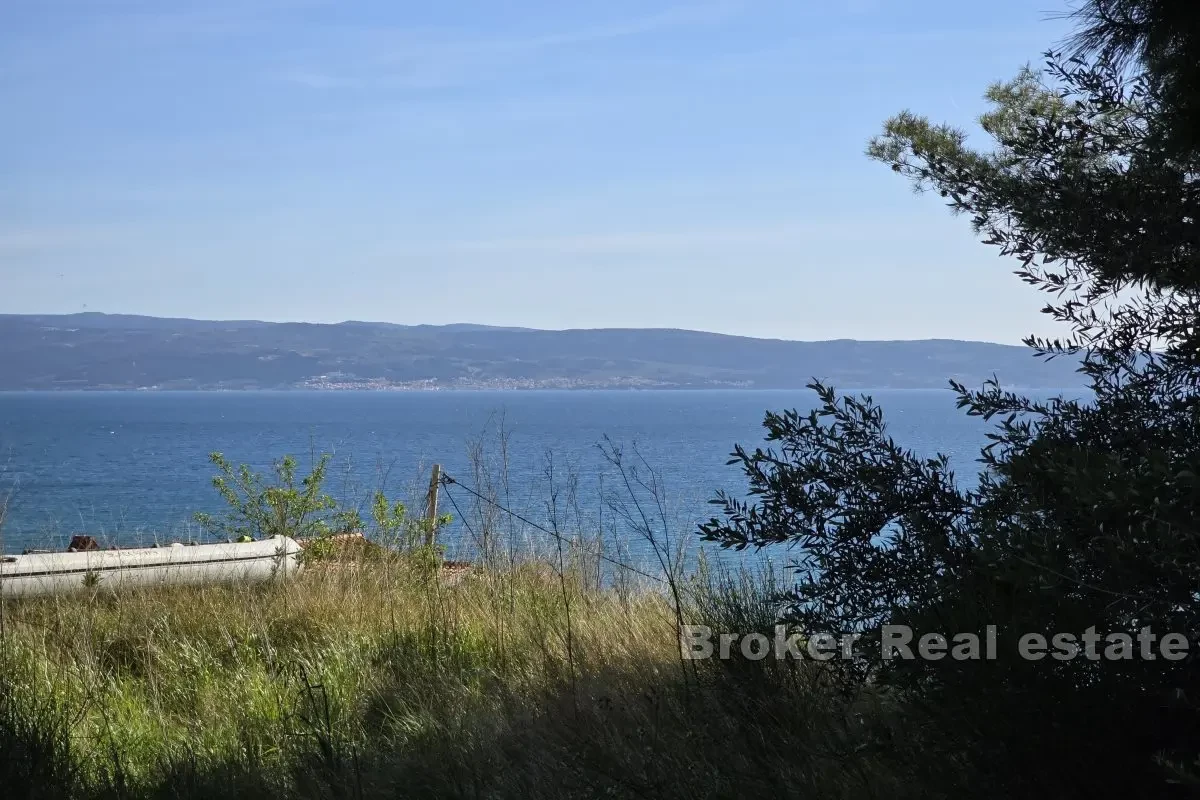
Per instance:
{"type": "Point", "coordinates": [132, 467]}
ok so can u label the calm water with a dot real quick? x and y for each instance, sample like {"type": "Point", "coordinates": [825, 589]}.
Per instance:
{"type": "Point", "coordinates": [133, 467]}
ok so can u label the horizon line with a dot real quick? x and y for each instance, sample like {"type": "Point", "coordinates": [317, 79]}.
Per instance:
{"type": "Point", "coordinates": [511, 328]}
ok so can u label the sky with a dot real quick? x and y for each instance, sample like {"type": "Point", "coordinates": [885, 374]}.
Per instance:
{"type": "Point", "coordinates": [538, 163]}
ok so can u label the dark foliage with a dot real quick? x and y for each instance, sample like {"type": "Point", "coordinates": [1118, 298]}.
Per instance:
{"type": "Point", "coordinates": [1162, 35]}
{"type": "Point", "coordinates": [1085, 512]}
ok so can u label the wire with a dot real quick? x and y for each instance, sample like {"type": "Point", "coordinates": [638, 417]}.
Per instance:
{"type": "Point", "coordinates": [458, 510]}
{"type": "Point", "coordinates": [447, 481]}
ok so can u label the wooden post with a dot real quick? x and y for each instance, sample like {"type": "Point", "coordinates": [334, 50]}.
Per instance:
{"type": "Point", "coordinates": [435, 480]}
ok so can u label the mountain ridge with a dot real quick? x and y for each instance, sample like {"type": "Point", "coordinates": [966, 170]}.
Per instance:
{"type": "Point", "coordinates": [93, 350]}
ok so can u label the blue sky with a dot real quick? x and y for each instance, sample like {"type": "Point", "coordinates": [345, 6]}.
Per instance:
{"type": "Point", "coordinates": [546, 164]}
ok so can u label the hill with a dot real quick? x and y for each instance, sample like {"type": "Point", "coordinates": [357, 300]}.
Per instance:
{"type": "Point", "coordinates": [102, 351]}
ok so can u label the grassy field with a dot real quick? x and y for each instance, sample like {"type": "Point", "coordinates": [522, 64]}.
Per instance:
{"type": "Point", "coordinates": [377, 677]}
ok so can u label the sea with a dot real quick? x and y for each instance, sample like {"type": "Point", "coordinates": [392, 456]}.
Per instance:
{"type": "Point", "coordinates": [133, 468]}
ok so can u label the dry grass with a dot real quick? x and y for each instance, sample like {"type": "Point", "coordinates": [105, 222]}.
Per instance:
{"type": "Point", "coordinates": [384, 680]}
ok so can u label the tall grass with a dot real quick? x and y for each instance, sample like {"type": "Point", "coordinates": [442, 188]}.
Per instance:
{"type": "Point", "coordinates": [376, 677]}
{"type": "Point", "coordinates": [545, 671]}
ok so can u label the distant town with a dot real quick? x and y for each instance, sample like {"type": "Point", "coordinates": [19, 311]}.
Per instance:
{"type": "Point", "coordinates": [109, 352]}
{"type": "Point", "coordinates": [333, 383]}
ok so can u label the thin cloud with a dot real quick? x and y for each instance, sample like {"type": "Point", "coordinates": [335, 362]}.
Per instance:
{"type": "Point", "coordinates": [862, 6]}
{"type": "Point", "coordinates": [314, 80]}
{"type": "Point", "coordinates": [419, 59]}
{"type": "Point", "coordinates": [218, 18]}
{"type": "Point", "coordinates": [678, 17]}
{"type": "Point", "coordinates": [26, 241]}
{"type": "Point", "coordinates": [784, 234]}
{"type": "Point", "coordinates": [865, 50]}
{"type": "Point", "coordinates": [69, 34]}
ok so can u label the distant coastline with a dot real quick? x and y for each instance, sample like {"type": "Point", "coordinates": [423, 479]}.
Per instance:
{"type": "Point", "coordinates": [842, 387]}
{"type": "Point", "coordinates": [128, 353]}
